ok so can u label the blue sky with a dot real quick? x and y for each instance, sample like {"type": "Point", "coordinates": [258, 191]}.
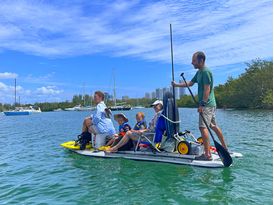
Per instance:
{"type": "Point", "coordinates": [53, 48]}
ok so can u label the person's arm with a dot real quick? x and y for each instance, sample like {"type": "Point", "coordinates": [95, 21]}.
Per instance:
{"type": "Point", "coordinates": [139, 131]}
{"type": "Point", "coordinates": [97, 116]}
{"type": "Point", "coordinates": [190, 83]}
{"type": "Point", "coordinates": [206, 93]}
{"type": "Point", "coordinates": [207, 79]}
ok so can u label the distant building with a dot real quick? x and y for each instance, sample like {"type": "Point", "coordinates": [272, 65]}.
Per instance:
{"type": "Point", "coordinates": [165, 90]}
{"type": "Point", "coordinates": [153, 95]}
{"type": "Point", "coordinates": [177, 92]}
{"type": "Point", "coordinates": [147, 96]}
{"type": "Point", "coordinates": [159, 93]}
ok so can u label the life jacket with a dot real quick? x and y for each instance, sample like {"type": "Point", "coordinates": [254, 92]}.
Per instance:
{"type": "Point", "coordinates": [139, 124]}
{"type": "Point", "coordinates": [123, 128]}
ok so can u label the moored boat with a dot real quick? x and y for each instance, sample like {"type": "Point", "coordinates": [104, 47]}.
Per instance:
{"type": "Point", "coordinates": [120, 108]}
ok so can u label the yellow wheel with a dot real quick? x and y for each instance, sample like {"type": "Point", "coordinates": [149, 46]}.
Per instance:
{"type": "Point", "coordinates": [183, 147]}
{"type": "Point", "coordinates": [200, 140]}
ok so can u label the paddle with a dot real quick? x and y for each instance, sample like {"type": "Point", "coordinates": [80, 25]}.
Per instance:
{"type": "Point", "coordinates": [222, 152]}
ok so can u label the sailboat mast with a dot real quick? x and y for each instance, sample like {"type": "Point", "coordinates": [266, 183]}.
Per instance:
{"type": "Point", "coordinates": [114, 89]}
{"type": "Point", "coordinates": [84, 97]}
{"type": "Point", "coordinates": [91, 99]}
{"type": "Point", "coordinates": [15, 92]}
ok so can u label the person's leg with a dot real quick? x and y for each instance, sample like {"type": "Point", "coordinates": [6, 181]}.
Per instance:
{"type": "Point", "coordinates": [207, 117]}
{"type": "Point", "coordinates": [122, 142]}
{"type": "Point", "coordinates": [116, 141]}
{"type": "Point", "coordinates": [110, 142]}
{"type": "Point", "coordinates": [216, 129]}
{"type": "Point", "coordinates": [204, 133]}
{"type": "Point", "coordinates": [220, 135]}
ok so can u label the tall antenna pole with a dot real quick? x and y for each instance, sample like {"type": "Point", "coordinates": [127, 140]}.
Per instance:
{"type": "Point", "coordinates": [15, 92]}
{"type": "Point", "coordinates": [173, 87]}
{"type": "Point", "coordinates": [114, 89]}
{"type": "Point", "coordinates": [172, 64]}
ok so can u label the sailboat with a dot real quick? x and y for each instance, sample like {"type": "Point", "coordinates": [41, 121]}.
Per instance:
{"type": "Point", "coordinates": [118, 106]}
{"type": "Point", "coordinates": [20, 110]}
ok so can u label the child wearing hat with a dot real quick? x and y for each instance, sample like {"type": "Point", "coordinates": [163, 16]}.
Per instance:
{"type": "Point", "coordinates": [123, 128]}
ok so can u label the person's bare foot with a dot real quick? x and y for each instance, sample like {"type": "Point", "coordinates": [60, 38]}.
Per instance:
{"type": "Point", "coordinates": [111, 150]}
{"type": "Point", "coordinates": [203, 157]}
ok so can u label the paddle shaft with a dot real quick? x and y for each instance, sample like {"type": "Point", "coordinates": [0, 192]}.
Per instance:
{"type": "Point", "coordinates": [172, 64]}
{"type": "Point", "coordinates": [207, 126]}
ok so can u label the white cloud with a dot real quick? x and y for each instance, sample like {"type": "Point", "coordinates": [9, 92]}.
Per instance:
{"type": "Point", "coordinates": [45, 93]}
{"type": "Point", "coordinates": [49, 90]}
{"type": "Point", "coordinates": [228, 31]}
{"type": "Point", "coordinates": [7, 88]}
{"type": "Point", "coordinates": [7, 75]}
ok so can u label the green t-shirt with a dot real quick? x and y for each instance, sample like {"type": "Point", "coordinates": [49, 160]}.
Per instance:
{"type": "Point", "coordinates": [204, 77]}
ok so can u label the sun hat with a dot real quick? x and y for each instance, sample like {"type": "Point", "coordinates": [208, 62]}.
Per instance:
{"type": "Point", "coordinates": [116, 116]}
{"type": "Point", "coordinates": [157, 102]}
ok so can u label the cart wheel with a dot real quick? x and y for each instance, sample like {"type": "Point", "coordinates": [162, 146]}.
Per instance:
{"type": "Point", "coordinates": [200, 140]}
{"type": "Point", "coordinates": [183, 147]}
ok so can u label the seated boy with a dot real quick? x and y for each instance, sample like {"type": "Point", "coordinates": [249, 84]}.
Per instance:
{"type": "Point", "coordinates": [141, 123]}
{"type": "Point", "coordinates": [123, 128]}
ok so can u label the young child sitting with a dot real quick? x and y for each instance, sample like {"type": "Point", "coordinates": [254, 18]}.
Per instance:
{"type": "Point", "coordinates": [123, 128]}
{"type": "Point", "coordinates": [141, 123]}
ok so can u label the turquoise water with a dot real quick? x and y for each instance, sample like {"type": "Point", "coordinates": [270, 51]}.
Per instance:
{"type": "Point", "coordinates": [34, 169]}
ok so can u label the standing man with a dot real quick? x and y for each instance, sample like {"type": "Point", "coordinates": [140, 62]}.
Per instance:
{"type": "Point", "coordinates": [207, 103]}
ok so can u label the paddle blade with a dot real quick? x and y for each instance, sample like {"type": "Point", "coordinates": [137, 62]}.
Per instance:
{"type": "Point", "coordinates": [223, 154]}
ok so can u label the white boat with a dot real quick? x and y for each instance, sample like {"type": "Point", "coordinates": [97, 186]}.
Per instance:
{"type": "Point", "coordinates": [138, 107]}
{"type": "Point", "coordinates": [80, 108]}
{"type": "Point", "coordinates": [120, 108]}
{"type": "Point", "coordinates": [85, 108]}
{"type": "Point", "coordinates": [176, 147]}
{"type": "Point", "coordinates": [75, 108]}
{"type": "Point", "coordinates": [57, 110]}
{"type": "Point", "coordinates": [173, 158]}
{"type": "Point", "coordinates": [21, 110]}
{"type": "Point", "coordinates": [32, 109]}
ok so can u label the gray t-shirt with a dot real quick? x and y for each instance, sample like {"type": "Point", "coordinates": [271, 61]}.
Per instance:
{"type": "Point", "coordinates": [153, 122]}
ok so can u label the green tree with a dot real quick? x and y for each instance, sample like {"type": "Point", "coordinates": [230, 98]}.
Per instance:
{"type": "Point", "coordinates": [252, 89]}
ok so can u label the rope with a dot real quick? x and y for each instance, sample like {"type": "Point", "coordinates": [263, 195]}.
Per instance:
{"type": "Point", "coordinates": [174, 122]}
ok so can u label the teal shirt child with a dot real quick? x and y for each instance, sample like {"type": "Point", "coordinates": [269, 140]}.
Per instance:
{"type": "Point", "coordinates": [204, 77]}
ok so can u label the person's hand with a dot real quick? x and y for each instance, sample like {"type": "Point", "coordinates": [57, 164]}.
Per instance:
{"type": "Point", "coordinates": [142, 131]}
{"type": "Point", "coordinates": [200, 109]}
{"type": "Point", "coordinates": [173, 83]}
